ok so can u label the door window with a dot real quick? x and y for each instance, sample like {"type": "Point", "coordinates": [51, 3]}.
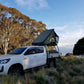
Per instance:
{"type": "Point", "coordinates": [39, 50]}
{"type": "Point", "coordinates": [34, 50]}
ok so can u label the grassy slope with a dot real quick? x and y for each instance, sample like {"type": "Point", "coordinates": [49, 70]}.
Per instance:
{"type": "Point", "coordinates": [68, 71]}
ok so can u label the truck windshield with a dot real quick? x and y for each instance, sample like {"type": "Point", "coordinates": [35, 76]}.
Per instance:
{"type": "Point", "coordinates": [17, 51]}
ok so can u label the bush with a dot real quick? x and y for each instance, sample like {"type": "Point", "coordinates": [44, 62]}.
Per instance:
{"type": "Point", "coordinates": [69, 70]}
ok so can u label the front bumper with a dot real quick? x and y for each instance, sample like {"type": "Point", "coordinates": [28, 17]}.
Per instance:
{"type": "Point", "coordinates": [4, 69]}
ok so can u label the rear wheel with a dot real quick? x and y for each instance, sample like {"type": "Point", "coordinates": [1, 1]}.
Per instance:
{"type": "Point", "coordinates": [52, 63]}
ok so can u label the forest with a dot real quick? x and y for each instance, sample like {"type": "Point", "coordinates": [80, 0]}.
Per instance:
{"type": "Point", "coordinates": [17, 29]}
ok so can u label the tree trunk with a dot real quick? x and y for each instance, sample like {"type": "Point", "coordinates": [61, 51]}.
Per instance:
{"type": "Point", "coordinates": [5, 46]}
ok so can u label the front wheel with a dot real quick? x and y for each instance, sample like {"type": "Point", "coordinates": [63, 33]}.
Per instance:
{"type": "Point", "coordinates": [16, 71]}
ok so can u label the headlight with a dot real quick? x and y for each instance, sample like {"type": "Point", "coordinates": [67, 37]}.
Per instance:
{"type": "Point", "coordinates": [4, 61]}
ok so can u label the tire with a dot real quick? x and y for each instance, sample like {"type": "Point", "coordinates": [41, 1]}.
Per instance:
{"type": "Point", "coordinates": [52, 63]}
{"type": "Point", "coordinates": [16, 71]}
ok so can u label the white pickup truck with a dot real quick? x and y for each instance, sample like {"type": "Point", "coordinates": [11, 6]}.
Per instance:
{"type": "Point", "coordinates": [23, 58]}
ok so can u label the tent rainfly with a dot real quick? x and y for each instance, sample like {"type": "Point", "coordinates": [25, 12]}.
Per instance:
{"type": "Point", "coordinates": [47, 37]}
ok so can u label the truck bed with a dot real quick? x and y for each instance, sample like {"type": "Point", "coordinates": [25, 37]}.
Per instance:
{"type": "Point", "coordinates": [54, 54]}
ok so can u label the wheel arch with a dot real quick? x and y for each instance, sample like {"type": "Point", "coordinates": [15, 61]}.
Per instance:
{"type": "Point", "coordinates": [17, 64]}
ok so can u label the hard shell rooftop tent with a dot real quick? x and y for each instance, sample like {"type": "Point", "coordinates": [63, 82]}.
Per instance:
{"type": "Point", "coordinates": [47, 37]}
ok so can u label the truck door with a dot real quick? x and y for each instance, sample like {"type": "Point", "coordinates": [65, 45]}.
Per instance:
{"type": "Point", "coordinates": [34, 57]}
{"type": "Point", "coordinates": [41, 56]}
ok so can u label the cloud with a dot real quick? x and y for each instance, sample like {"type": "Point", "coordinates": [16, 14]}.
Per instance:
{"type": "Point", "coordinates": [32, 4]}
{"type": "Point", "coordinates": [69, 35]}
{"type": "Point", "coordinates": [60, 28]}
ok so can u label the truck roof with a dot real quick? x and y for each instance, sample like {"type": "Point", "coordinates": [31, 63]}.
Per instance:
{"type": "Point", "coordinates": [30, 46]}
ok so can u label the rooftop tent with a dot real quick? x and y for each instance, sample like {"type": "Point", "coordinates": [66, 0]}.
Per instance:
{"type": "Point", "coordinates": [47, 37]}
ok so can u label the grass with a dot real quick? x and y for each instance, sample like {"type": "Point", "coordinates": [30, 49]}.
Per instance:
{"type": "Point", "coordinates": [68, 71]}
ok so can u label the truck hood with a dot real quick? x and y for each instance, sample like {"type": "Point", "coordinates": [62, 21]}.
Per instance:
{"type": "Point", "coordinates": [7, 56]}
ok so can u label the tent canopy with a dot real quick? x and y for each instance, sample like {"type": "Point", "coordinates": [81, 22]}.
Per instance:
{"type": "Point", "coordinates": [48, 37]}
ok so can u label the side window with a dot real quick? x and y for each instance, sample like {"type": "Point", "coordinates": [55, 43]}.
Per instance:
{"type": "Point", "coordinates": [39, 50]}
{"type": "Point", "coordinates": [30, 51]}
{"type": "Point", "coordinates": [34, 50]}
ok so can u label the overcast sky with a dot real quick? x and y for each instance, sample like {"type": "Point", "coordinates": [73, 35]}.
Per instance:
{"type": "Point", "coordinates": [65, 16]}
